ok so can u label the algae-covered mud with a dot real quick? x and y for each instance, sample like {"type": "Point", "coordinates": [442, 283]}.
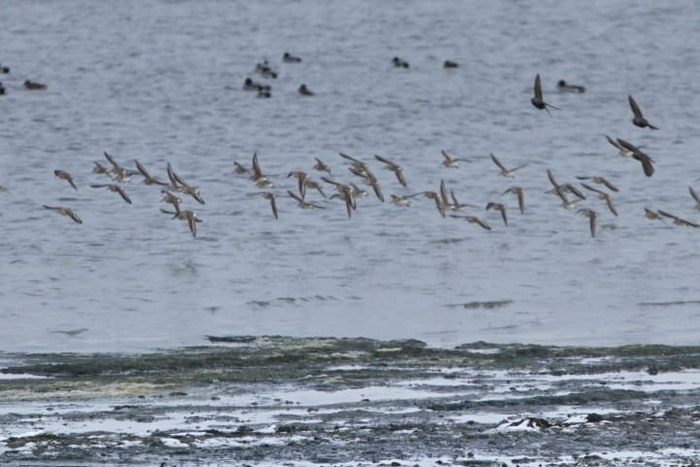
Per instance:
{"type": "Point", "coordinates": [317, 401]}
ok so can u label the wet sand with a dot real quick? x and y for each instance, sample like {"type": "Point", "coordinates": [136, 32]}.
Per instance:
{"type": "Point", "coordinates": [326, 401]}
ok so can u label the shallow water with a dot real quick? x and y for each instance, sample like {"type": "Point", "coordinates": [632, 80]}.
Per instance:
{"type": "Point", "coordinates": [160, 81]}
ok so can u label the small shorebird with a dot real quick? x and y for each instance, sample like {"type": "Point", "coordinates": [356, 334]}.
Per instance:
{"type": "Point", "coordinates": [647, 162]}
{"type": "Point", "coordinates": [573, 88]}
{"type": "Point", "coordinates": [261, 181]}
{"type": "Point", "coordinates": [499, 207]}
{"type": "Point", "coordinates": [473, 220]}
{"type": "Point", "coordinates": [321, 167]}
{"type": "Point", "coordinates": [65, 212]}
{"type": "Point", "coordinates": [345, 193]}
{"type": "Point", "coordinates": [115, 188]}
{"type": "Point", "coordinates": [239, 168]}
{"type": "Point", "coordinates": [623, 151]}
{"type": "Point", "coordinates": [396, 168]}
{"type": "Point", "coordinates": [301, 179]}
{"type": "Point", "coordinates": [273, 204]}
{"type": "Point", "coordinates": [537, 100]}
{"type": "Point", "coordinates": [677, 220]}
{"type": "Point", "coordinates": [147, 179]}
{"type": "Point", "coordinates": [189, 216]}
{"type": "Point", "coordinates": [370, 180]}
{"type": "Point", "coordinates": [651, 214]}
{"type": "Point", "coordinates": [602, 195]}
{"type": "Point", "coordinates": [178, 184]}
{"type": "Point", "coordinates": [565, 203]}
{"type": "Point", "coordinates": [505, 172]}
{"type": "Point", "coordinates": [100, 169]}
{"type": "Point", "coordinates": [439, 204]}
{"type": "Point", "coordinates": [449, 161]}
{"type": "Point", "coordinates": [518, 191]}
{"type": "Point", "coordinates": [356, 164]}
{"type": "Point", "coordinates": [602, 181]}
{"type": "Point", "coordinates": [305, 91]}
{"type": "Point", "coordinates": [403, 200]}
{"type": "Point", "coordinates": [172, 199]}
{"type": "Point", "coordinates": [639, 119]}
{"type": "Point", "coordinates": [305, 204]}
{"type": "Point", "coordinates": [456, 205]}
{"type": "Point", "coordinates": [695, 196]}
{"type": "Point", "coordinates": [592, 216]}
{"type": "Point", "coordinates": [65, 176]}
{"type": "Point", "coordinates": [120, 173]}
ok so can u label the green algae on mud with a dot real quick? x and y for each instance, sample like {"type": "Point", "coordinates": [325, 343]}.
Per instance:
{"type": "Point", "coordinates": [339, 401]}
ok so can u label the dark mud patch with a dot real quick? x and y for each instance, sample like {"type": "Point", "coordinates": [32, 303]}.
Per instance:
{"type": "Point", "coordinates": [273, 400]}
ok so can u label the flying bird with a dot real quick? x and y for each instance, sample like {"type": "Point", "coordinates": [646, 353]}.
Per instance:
{"type": "Point", "coordinates": [115, 188]}
{"type": "Point", "coordinates": [505, 172]}
{"type": "Point", "coordinates": [638, 154]}
{"type": "Point", "coordinates": [639, 119]}
{"type": "Point", "coordinates": [537, 100]}
{"type": "Point", "coordinates": [65, 212]}
{"type": "Point", "coordinates": [65, 176]}
{"type": "Point", "coordinates": [592, 216]}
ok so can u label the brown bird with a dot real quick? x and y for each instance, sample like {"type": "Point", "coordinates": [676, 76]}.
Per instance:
{"type": "Point", "coordinates": [647, 162]}
{"type": "Point", "coordinates": [273, 204]}
{"type": "Point", "coordinates": [639, 119]}
{"type": "Point", "coordinates": [66, 212]}
{"type": "Point", "coordinates": [678, 221]}
{"type": "Point", "coordinates": [439, 204]}
{"type": "Point", "coordinates": [537, 100]}
{"type": "Point", "coordinates": [189, 216]}
{"type": "Point", "coordinates": [305, 204]}
{"type": "Point", "coordinates": [356, 164]}
{"type": "Point", "coordinates": [178, 184]}
{"type": "Point", "coordinates": [695, 197]}
{"type": "Point", "coordinates": [147, 179]}
{"type": "Point", "coordinates": [602, 195]}
{"type": "Point", "coordinates": [602, 181]}
{"type": "Point", "coordinates": [262, 181]}
{"type": "Point", "coordinates": [100, 169]}
{"type": "Point", "coordinates": [473, 220]}
{"type": "Point", "coordinates": [449, 161]}
{"type": "Point", "coordinates": [172, 199]}
{"type": "Point", "coordinates": [565, 203]}
{"type": "Point", "coordinates": [65, 176]}
{"type": "Point", "coordinates": [397, 169]}
{"type": "Point", "coordinates": [518, 191]}
{"type": "Point", "coordinates": [115, 188]}
{"type": "Point", "coordinates": [623, 151]}
{"type": "Point", "coordinates": [593, 216]}
{"type": "Point", "coordinates": [505, 172]}
{"type": "Point", "coordinates": [651, 214]}
{"type": "Point", "coordinates": [499, 207]}
{"type": "Point", "coordinates": [34, 86]}
{"type": "Point", "coordinates": [120, 173]}
{"type": "Point", "coordinates": [321, 167]}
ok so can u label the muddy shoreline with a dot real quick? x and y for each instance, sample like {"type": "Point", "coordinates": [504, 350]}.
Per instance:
{"type": "Point", "coordinates": [272, 400]}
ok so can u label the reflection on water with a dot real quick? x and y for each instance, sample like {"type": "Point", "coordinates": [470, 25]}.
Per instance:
{"type": "Point", "coordinates": [162, 82]}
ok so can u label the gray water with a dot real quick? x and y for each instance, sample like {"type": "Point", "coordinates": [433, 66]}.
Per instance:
{"type": "Point", "coordinates": [161, 81]}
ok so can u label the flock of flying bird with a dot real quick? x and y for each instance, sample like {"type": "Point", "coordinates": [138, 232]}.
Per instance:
{"type": "Point", "coordinates": [445, 200]}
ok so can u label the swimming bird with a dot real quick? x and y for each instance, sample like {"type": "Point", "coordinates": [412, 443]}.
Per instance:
{"type": "Point", "coordinates": [695, 196]}
{"type": "Point", "coordinates": [289, 58]}
{"type": "Point", "coordinates": [239, 168]}
{"type": "Point", "coordinates": [396, 168]}
{"type": "Point", "coordinates": [4, 69]}
{"type": "Point", "coordinates": [518, 191]}
{"type": "Point", "coordinates": [273, 204]}
{"type": "Point", "coordinates": [3, 91]}
{"type": "Point", "coordinates": [65, 212]}
{"type": "Point", "coordinates": [537, 100]}
{"type": "Point", "coordinates": [505, 172]}
{"type": "Point", "coordinates": [65, 176]}
{"type": "Point", "coordinates": [499, 207]}
{"type": "Point", "coordinates": [452, 162]}
{"type": "Point", "coordinates": [450, 64]}
{"type": "Point", "coordinates": [305, 91]}
{"type": "Point", "coordinates": [398, 63]}
{"type": "Point", "coordinates": [115, 188]}
{"type": "Point", "coordinates": [34, 86]}
{"type": "Point", "coordinates": [623, 151]}
{"type": "Point", "coordinates": [264, 93]}
{"type": "Point", "coordinates": [678, 221]}
{"type": "Point", "coordinates": [573, 88]}
{"type": "Point", "coordinates": [600, 180]}
{"type": "Point", "coordinates": [250, 85]}
{"type": "Point", "coordinates": [639, 119]}
{"type": "Point", "coordinates": [147, 179]}
{"type": "Point", "coordinates": [473, 220]}
{"type": "Point", "coordinates": [602, 195]}
{"type": "Point", "coordinates": [638, 154]}
{"type": "Point", "coordinates": [592, 216]}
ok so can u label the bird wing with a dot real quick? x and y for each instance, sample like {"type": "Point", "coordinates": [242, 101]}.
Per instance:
{"type": "Point", "coordinates": [498, 163]}
{"type": "Point", "coordinates": [538, 88]}
{"type": "Point", "coordinates": [635, 108]}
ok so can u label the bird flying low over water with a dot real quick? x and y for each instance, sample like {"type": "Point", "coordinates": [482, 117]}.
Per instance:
{"type": "Point", "coordinates": [499, 207]}
{"type": "Point", "coordinates": [473, 220]}
{"type": "Point", "coordinates": [602, 195]}
{"type": "Point", "coordinates": [592, 216]}
{"type": "Point", "coordinates": [147, 179]}
{"type": "Point", "coordinates": [505, 172]}
{"type": "Point", "coordinates": [115, 188]}
{"type": "Point", "coordinates": [677, 220]}
{"type": "Point", "coordinates": [537, 100]}
{"type": "Point", "coordinates": [518, 191]}
{"type": "Point", "coordinates": [623, 151]}
{"type": "Point", "coordinates": [65, 212]}
{"type": "Point", "coordinates": [638, 154]}
{"type": "Point", "coordinates": [396, 168]}
{"type": "Point", "coordinates": [450, 161]}
{"type": "Point", "coordinates": [695, 196]}
{"type": "Point", "coordinates": [639, 119]}
{"type": "Point", "coordinates": [65, 176]}
{"type": "Point", "coordinates": [601, 180]}
{"type": "Point", "coordinates": [273, 204]}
